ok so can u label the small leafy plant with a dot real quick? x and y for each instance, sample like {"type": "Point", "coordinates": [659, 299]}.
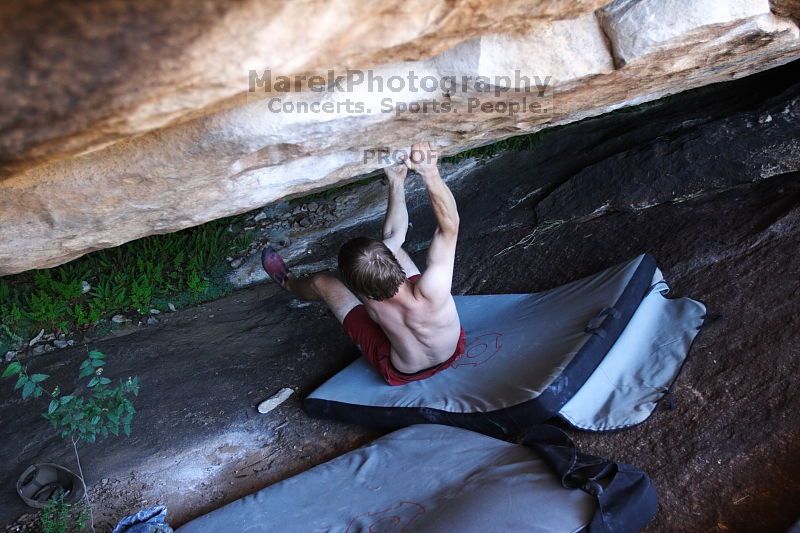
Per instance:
{"type": "Point", "coordinates": [182, 268]}
{"type": "Point", "coordinates": [103, 409]}
{"type": "Point", "coordinates": [59, 516]}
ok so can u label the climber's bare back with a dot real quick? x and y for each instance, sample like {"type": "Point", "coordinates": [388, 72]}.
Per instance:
{"type": "Point", "coordinates": [423, 331]}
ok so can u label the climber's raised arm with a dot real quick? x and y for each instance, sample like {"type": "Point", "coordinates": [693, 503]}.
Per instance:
{"type": "Point", "coordinates": [395, 225]}
{"type": "Point", "coordinates": [436, 282]}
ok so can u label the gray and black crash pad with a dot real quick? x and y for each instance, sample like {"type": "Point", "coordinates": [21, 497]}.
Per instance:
{"type": "Point", "coordinates": [599, 352]}
{"type": "Point", "coordinates": [433, 478]}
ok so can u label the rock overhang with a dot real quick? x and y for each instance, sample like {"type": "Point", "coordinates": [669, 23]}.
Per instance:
{"type": "Point", "coordinates": [230, 153]}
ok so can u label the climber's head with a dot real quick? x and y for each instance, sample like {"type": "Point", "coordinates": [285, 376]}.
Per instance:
{"type": "Point", "coordinates": [370, 268]}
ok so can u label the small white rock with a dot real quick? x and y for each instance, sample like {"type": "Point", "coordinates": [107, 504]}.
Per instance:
{"type": "Point", "coordinates": [85, 287]}
{"type": "Point", "coordinates": [171, 307]}
{"type": "Point", "coordinates": [261, 216]}
{"type": "Point", "coordinates": [10, 355]}
{"type": "Point", "coordinates": [275, 400]}
{"type": "Point", "coordinates": [155, 312]}
{"type": "Point", "coordinates": [152, 321]}
{"type": "Point", "coordinates": [60, 343]}
{"type": "Point", "coordinates": [118, 319]}
{"type": "Point", "coordinates": [37, 338]}
{"type": "Point", "coordinates": [236, 263]}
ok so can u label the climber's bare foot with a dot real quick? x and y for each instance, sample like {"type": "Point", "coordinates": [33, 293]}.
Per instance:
{"type": "Point", "coordinates": [275, 267]}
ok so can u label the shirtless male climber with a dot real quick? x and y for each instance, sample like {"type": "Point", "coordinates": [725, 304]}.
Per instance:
{"type": "Point", "coordinates": [405, 323]}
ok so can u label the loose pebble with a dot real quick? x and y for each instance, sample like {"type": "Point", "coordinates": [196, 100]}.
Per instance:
{"type": "Point", "coordinates": [39, 349]}
{"type": "Point", "coordinates": [275, 400]}
{"type": "Point", "coordinates": [85, 287]}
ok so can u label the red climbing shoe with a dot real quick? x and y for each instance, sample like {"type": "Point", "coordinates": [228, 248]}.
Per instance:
{"type": "Point", "coordinates": [274, 265]}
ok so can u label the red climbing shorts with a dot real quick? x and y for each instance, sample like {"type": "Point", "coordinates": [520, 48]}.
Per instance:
{"type": "Point", "coordinates": [376, 348]}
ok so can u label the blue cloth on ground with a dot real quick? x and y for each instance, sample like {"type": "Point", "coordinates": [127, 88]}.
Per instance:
{"type": "Point", "coordinates": [148, 520]}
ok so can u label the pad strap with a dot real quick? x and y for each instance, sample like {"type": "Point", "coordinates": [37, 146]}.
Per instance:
{"type": "Point", "coordinates": [626, 498]}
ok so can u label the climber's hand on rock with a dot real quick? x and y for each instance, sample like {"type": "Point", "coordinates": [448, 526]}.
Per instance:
{"type": "Point", "coordinates": [423, 159]}
{"type": "Point", "coordinates": [396, 173]}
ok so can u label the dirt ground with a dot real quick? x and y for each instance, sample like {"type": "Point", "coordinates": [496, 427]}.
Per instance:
{"type": "Point", "coordinates": [706, 184]}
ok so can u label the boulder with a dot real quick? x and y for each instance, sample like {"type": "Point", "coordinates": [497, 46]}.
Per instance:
{"type": "Point", "coordinates": [123, 120]}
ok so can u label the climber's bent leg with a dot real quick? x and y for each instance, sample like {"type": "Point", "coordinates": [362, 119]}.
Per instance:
{"type": "Point", "coordinates": [339, 299]}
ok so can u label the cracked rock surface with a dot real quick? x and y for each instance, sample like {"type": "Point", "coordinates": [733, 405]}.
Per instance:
{"type": "Point", "coordinates": [707, 184]}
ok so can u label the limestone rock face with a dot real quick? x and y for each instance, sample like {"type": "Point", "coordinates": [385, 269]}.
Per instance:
{"type": "Point", "coordinates": [667, 21]}
{"type": "Point", "coordinates": [78, 76]}
{"type": "Point", "coordinates": [122, 120]}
